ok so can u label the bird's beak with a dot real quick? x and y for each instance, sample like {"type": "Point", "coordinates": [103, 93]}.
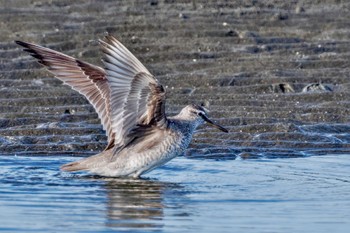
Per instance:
{"type": "Point", "coordinates": [210, 122]}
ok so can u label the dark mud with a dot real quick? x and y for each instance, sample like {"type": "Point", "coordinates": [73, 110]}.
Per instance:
{"type": "Point", "coordinates": [276, 73]}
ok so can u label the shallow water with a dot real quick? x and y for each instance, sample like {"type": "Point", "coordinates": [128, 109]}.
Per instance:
{"type": "Point", "coordinates": [267, 195]}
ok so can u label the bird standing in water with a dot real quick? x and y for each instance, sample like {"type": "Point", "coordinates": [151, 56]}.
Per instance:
{"type": "Point", "coordinates": [130, 102]}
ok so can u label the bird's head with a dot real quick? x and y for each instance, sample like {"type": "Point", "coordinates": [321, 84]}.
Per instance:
{"type": "Point", "coordinates": [199, 114]}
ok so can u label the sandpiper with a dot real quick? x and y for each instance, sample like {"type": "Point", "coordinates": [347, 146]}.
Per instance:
{"type": "Point", "coordinates": [130, 102]}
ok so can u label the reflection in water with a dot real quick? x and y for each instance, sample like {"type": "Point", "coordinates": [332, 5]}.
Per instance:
{"type": "Point", "coordinates": [136, 203]}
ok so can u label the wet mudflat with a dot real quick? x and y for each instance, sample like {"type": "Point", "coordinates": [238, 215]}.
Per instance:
{"type": "Point", "coordinates": [187, 195]}
{"type": "Point", "coordinates": [276, 73]}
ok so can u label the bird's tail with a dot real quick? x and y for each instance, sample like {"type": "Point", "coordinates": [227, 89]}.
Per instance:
{"type": "Point", "coordinates": [73, 166]}
{"type": "Point", "coordinates": [95, 161]}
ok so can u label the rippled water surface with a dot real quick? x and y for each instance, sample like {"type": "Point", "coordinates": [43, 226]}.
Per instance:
{"type": "Point", "coordinates": [267, 195]}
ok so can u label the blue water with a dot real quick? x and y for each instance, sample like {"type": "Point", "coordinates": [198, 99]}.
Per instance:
{"type": "Point", "coordinates": [310, 194]}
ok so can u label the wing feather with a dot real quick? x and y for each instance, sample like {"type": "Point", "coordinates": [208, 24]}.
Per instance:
{"type": "Point", "coordinates": [87, 79]}
{"type": "Point", "coordinates": [133, 92]}
{"type": "Point", "coordinates": [126, 96]}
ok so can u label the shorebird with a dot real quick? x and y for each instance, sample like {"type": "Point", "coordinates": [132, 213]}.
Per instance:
{"type": "Point", "coordinates": [130, 103]}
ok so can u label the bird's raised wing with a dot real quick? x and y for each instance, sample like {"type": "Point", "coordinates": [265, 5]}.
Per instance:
{"type": "Point", "coordinates": [125, 95]}
{"type": "Point", "coordinates": [137, 99]}
{"type": "Point", "coordinates": [83, 77]}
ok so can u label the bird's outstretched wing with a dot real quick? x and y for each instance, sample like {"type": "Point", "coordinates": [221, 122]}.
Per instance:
{"type": "Point", "coordinates": [87, 79]}
{"type": "Point", "coordinates": [137, 99]}
{"type": "Point", "coordinates": [126, 96]}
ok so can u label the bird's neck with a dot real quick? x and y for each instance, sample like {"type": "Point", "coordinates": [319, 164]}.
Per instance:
{"type": "Point", "coordinates": [186, 126]}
